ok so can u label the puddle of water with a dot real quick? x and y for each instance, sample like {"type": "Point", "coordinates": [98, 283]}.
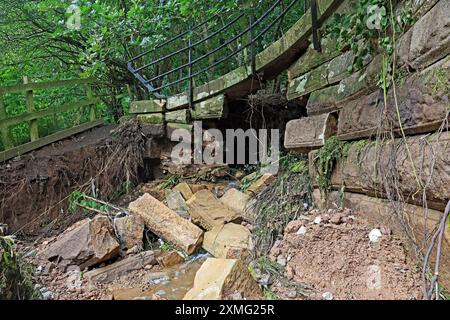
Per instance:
{"type": "Point", "coordinates": [168, 284]}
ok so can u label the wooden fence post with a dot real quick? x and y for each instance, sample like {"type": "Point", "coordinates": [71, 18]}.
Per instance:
{"type": "Point", "coordinates": [34, 133]}
{"type": "Point", "coordinates": [90, 95]}
{"type": "Point", "coordinates": [7, 143]}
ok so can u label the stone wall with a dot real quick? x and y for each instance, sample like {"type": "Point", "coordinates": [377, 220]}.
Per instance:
{"type": "Point", "coordinates": [398, 152]}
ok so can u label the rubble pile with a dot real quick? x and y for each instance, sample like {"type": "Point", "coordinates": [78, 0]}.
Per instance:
{"type": "Point", "coordinates": [160, 247]}
{"type": "Point", "coordinates": [193, 240]}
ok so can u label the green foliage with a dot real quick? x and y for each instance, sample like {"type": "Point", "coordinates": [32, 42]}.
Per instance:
{"type": "Point", "coordinates": [166, 246]}
{"type": "Point", "coordinates": [368, 29]}
{"type": "Point", "coordinates": [267, 266]}
{"type": "Point", "coordinates": [326, 158]}
{"type": "Point", "coordinates": [281, 202]}
{"type": "Point", "coordinates": [269, 295]}
{"type": "Point", "coordinates": [171, 182]}
{"type": "Point", "coordinates": [122, 189]}
{"type": "Point", "coordinates": [359, 147]}
{"type": "Point", "coordinates": [246, 182]}
{"type": "Point", "coordinates": [37, 42]}
{"type": "Point", "coordinates": [439, 81]}
{"type": "Point", "coordinates": [16, 275]}
{"type": "Point", "coordinates": [77, 199]}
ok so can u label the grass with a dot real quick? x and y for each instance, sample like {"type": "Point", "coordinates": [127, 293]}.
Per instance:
{"type": "Point", "coordinates": [281, 202]}
{"type": "Point", "coordinates": [326, 158]}
{"type": "Point", "coordinates": [16, 274]}
{"type": "Point", "coordinates": [166, 246]}
{"type": "Point", "coordinates": [269, 295]}
{"type": "Point", "coordinates": [266, 265]}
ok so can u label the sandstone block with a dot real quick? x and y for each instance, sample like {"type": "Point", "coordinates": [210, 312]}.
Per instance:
{"type": "Point", "coordinates": [168, 225]}
{"type": "Point", "coordinates": [208, 212]}
{"type": "Point", "coordinates": [218, 278]}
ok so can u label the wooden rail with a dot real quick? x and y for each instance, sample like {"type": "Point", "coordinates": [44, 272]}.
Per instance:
{"type": "Point", "coordinates": [32, 115]}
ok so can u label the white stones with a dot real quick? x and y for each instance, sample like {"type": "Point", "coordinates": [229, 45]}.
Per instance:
{"type": "Point", "coordinates": [327, 296]}
{"type": "Point", "coordinates": [375, 235]}
{"type": "Point", "coordinates": [317, 220]}
{"type": "Point", "coordinates": [301, 231]}
{"type": "Point", "coordinates": [281, 261]}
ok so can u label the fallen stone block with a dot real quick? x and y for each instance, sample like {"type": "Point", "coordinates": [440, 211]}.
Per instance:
{"type": "Point", "coordinates": [229, 241]}
{"type": "Point", "coordinates": [169, 258]}
{"type": "Point", "coordinates": [168, 225]}
{"type": "Point", "coordinates": [118, 269]}
{"type": "Point", "coordinates": [147, 106]}
{"type": "Point", "coordinates": [305, 134]}
{"type": "Point", "coordinates": [430, 39]}
{"type": "Point", "coordinates": [257, 186]}
{"type": "Point", "coordinates": [130, 230]}
{"type": "Point", "coordinates": [236, 200]}
{"type": "Point", "coordinates": [197, 187]}
{"type": "Point", "coordinates": [218, 278]}
{"type": "Point", "coordinates": [208, 212]}
{"type": "Point", "coordinates": [88, 243]}
{"type": "Point", "coordinates": [366, 166]}
{"type": "Point", "coordinates": [381, 212]}
{"type": "Point", "coordinates": [422, 100]}
{"type": "Point", "coordinates": [175, 201]}
{"type": "Point", "coordinates": [185, 190]}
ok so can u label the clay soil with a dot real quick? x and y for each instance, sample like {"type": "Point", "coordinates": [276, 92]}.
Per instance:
{"type": "Point", "coordinates": [35, 186]}
{"type": "Point", "coordinates": [336, 256]}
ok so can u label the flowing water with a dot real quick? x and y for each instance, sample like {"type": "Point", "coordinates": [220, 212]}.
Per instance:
{"type": "Point", "coordinates": [167, 284]}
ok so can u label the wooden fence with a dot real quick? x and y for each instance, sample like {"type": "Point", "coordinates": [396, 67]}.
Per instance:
{"type": "Point", "coordinates": [32, 115]}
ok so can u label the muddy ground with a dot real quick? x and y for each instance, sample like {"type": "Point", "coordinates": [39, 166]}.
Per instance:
{"type": "Point", "coordinates": [320, 255]}
{"type": "Point", "coordinates": [33, 186]}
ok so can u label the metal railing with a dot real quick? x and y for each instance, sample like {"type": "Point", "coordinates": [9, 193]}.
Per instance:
{"type": "Point", "coordinates": [191, 54]}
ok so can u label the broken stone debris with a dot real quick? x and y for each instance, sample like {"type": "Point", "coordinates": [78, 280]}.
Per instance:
{"type": "Point", "coordinates": [236, 200]}
{"type": "Point", "coordinates": [257, 186]}
{"type": "Point", "coordinates": [218, 278]}
{"type": "Point", "coordinates": [88, 243]}
{"type": "Point", "coordinates": [120, 268]}
{"type": "Point", "coordinates": [185, 190]}
{"type": "Point", "coordinates": [168, 225]}
{"type": "Point", "coordinates": [170, 258]}
{"type": "Point", "coordinates": [229, 241]}
{"type": "Point", "coordinates": [130, 230]}
{"type": "Point", "coordinates": [208, 212]}
{"type": "Point", "coordinates": [175, 201]}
